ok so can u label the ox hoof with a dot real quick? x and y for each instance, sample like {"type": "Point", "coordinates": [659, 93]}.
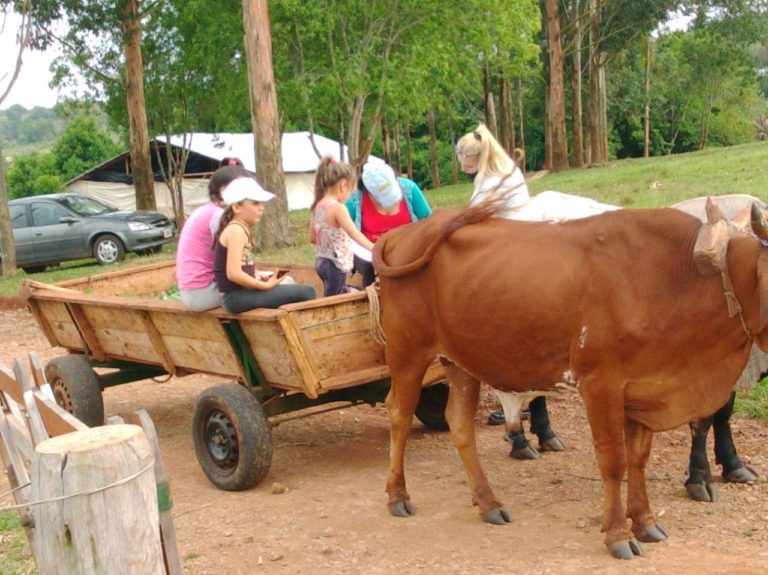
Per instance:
{"type": "Point", "coordinates": [652, 534]}
{"type": "Point", "coordinates": [552, 444]}
{"type": "Point", "coordinates": [741, 475]}
{"type": "Point", "coordinates": [625, 549]}
{"type": "Point", "coordinates": [704, 492]}
{"type": "Point", "coordinates": [402, 508]}
{"type": "Point", "coordinates": [526, 452]}
{"type": "Point", "coordinates": [498, 516]}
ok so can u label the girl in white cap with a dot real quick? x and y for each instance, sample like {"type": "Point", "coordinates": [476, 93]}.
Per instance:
{"type": "Point", "coordinates": [243, 288]}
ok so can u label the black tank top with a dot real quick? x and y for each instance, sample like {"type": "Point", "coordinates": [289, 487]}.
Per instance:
{"type": "Point", "coordinates": [223, 283]}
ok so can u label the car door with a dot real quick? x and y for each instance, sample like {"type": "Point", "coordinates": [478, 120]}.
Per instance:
{"type": "Point", "coordinates": [22, 235]}
{"type": "Point", "coordinates": [56, 241]}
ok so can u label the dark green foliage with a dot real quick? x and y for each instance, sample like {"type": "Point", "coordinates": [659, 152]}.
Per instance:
{"type": "Point", "coordinates": [82, 147]}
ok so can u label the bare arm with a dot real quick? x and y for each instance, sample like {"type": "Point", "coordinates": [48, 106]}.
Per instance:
{"type": "Point", "coordinates": [341, 218]}
{"type": "Point", "coordinates": [234, 239]}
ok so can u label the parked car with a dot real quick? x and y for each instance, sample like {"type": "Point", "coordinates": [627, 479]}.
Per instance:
{"type": "Point", "coordinates": [54, 228]}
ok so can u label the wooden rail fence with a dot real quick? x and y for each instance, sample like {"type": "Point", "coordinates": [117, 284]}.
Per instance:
{"type": "Point", "coordinates": [46, 452]}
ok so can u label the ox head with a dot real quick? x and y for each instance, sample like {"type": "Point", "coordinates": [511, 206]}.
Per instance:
{"type": "Point", "coordinates": [760, 229]}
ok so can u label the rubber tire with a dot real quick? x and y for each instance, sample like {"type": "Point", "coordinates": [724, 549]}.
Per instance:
{"type": "Point", "coordinates": [108, 249]}
{"type": "Point", "coordinates": [33, 269]}
{"type": "Point", "coordinates": [233, 409]}
{"type": "Point", "coordinates": [431, 407]}
{"type": "Point", "coordinates": [76, 388]}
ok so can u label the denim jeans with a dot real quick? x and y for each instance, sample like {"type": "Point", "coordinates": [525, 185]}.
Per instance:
{"type": "Point", "coordinates": [246, 298]}
{"type": "Point", "coordinates": [334, 280]}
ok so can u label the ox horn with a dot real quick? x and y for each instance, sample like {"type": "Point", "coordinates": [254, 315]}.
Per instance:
{"type": "Point", "coordinates": [713, 211]}
{"type": "Point", "coordinates": [758, 223]}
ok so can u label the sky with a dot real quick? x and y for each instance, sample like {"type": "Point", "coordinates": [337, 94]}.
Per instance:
{"type": "Point", "coordinates": [31, 88]}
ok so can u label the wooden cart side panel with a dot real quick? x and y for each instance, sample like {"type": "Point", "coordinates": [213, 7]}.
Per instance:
{"type": "Point", "coordinates": [154, 278]}
{"type": "Point", "coordinates": [272, 352]}
{"type": "Point", "coordinates": [338, 335]}
{"type": "Point", "coordinates": [196, 341]}
{"type": "Point", "coordinates": [62, 326]}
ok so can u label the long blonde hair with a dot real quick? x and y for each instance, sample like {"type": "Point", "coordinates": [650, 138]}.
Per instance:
{"type": "Point", "coordinates": [492, 159]}
{"type": "Point", "coordinates": [329, 173]}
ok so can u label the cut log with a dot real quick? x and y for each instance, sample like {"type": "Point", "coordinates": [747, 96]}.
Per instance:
{"type": "Point", "coordinates": [105, 520]}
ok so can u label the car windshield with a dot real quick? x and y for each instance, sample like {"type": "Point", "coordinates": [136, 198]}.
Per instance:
{"type": "Point", "coordinates": [85, 206]}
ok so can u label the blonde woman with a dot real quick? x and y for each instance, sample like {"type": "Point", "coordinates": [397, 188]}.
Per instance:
{"type": "Point", "coordinates": [495, 172]}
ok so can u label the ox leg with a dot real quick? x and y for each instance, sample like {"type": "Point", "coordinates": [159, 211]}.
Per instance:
{"type": "Point", "coordinates": [512, 405]}
{"type": "Point", "coordinates": [734, 469]}
{"type": "Point", "coordinates": [638, 440]}
{"type": "Point", "coordinates": [700, 485]}
{"type": "Point", "coordinates": [401, 404]}
{"type": "Point", "coordinates": [460, 414]}
{"type": "Point", "coordinates": [605, 412]}
{"type": "Point", "coordinates": [548, 441]}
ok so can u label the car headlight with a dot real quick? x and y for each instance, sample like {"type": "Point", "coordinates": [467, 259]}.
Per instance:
{"type": "Point", "coordinates": [138, 226]}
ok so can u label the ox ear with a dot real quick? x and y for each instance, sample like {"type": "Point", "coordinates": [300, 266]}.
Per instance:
{"type": "Point", "coordinates": [713, 211]}
{"type": "Point", "coordinates": [758, 223]}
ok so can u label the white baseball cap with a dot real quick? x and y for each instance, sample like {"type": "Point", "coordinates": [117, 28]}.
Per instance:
{"type": "Point", "coordinates": [245, 189]}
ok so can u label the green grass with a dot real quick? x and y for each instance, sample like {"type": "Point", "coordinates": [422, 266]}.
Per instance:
{"type": "Point", "coordinates": [15, 557]}
{"type": "Point", "coordinates": [754, 403]}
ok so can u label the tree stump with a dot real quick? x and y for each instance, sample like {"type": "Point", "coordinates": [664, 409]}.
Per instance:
{"type": "Point", "coordinates": [107, 520]}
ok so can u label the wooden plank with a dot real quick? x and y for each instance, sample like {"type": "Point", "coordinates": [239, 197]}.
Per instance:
{"type": "Point", "coordinates": [42, 322]}
{"type": "Point", "coordinates": [157, 342]}
{"type": "Point", "coordinates": [15, 468]}
{"type": "Point", "coordinates": [38, 375]}
{"type": "Point", "coordinates": [57, 421]}
{"type": "Point", "coordinates": [301, 355]}
{"type": "Point", "coordinates": [10, 386]}
{"type": "Point", "coordinates": [63, 328]}
{"type": "Point", "coordinates": [34, 421]}
{"type": "Point", "coordinates": [87, 332]}
{"type": "Point", "coordinates": [270, 348]}
{"type": "Point", "coordinates": [165, 502]}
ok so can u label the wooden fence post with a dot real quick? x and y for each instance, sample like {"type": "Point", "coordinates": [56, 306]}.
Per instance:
{"type": "Point", "coordinates": [96, 487]}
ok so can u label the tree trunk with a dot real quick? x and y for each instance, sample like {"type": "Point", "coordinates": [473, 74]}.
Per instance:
{"type": "Point", "coordinates": [490, 109]}
{"type": "Point", "coordinates": [521, 119]}
{"type": "Point", "coordinates": [556, 100]}
{"type": "Point", "coordinates": [92, 529]}
{"type": "Point", "coordinates": [647, 120]}
{"type": "Point", "coordinates": [141, 161]}
{"type": "Point", "coordinates": [507, 117]}
{"type": "Point", "coordinates": [409, 149]}
{"type": "Point", "coordinates": [386, 142]}
{"type": "Point", "coordinates": [433, 160]}
{"type": "Point", "coordinates": [274, 231]}
{"type": "Point", "coordinates": [454, 160]}
{"type": "Point", "coordinates": [577, 105]}
{"type": "Point", "coordinates": [7, 245]}
{"type": "Point", "coordinates": [598, 123]}
{"type": "Point", "coordinates": [396, 146]}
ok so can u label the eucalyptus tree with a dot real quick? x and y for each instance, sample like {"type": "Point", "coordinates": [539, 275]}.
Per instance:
{"type": "Point", "coordinates": [23, 39]}
{"type": "Point", "coordinates": [102, 41]}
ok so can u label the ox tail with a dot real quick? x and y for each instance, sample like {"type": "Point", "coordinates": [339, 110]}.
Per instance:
{"type": "Point", "coordinates": [491, 206]}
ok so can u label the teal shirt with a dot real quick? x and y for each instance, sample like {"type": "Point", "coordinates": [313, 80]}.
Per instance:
{"type": "Point", "coordinates": [414, 199]}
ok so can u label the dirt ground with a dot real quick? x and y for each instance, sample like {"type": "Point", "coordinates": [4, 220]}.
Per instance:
{"type": "Point", "coordinates": [332, 517]}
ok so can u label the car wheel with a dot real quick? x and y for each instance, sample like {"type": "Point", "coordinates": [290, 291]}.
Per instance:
{"type": "Point", "coordinates": [108, 249]}
{"type": "Point", "coordinates": [33, 269]}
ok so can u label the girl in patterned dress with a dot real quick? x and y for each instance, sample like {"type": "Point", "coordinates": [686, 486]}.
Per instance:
{"type": "Point", "coordinates": [331, 227]}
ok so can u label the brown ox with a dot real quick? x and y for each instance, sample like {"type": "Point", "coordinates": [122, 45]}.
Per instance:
{"type": "Point", "coordinates": [613, 302]}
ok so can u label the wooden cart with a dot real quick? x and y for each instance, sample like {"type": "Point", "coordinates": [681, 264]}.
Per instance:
{"type": "Point", "coordinates": [283, 360]}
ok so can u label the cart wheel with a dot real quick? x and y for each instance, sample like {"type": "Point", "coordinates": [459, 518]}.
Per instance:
{"type": "Point", "coordinates": [233, 438]}
{"type": "Point", "coordinates": [431, 407]}
{"type": "Point", "coordinates": [76, 388]}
